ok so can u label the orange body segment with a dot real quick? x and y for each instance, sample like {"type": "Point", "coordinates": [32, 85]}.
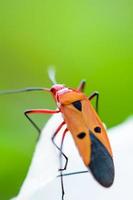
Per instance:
{"type": "Point", "coordinates": [76, 125]}
{"type": "Point", "coordinates": [70, 97]}
{"type": "Point", "coordinates": [81, 122]}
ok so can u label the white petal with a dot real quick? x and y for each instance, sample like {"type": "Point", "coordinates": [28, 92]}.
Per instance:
{"type": "Point", "coordinates": [38, 186]}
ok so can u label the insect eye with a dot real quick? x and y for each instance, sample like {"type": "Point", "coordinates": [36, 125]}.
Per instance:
{"type": "Point", "coordinates": [97, 129]}
{"type": "Point", "coordinates": [81, 135]}
{"type": "Point", "coordinates": [77, 105]}
{"type": "Point", "coordinates": [53, 90]}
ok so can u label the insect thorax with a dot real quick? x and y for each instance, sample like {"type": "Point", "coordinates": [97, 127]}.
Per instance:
{"type": "Point", "coordinates": [70, 96]}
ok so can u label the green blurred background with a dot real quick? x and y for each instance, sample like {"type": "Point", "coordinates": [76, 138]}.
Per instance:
{"type": "Point", "coordinates": [83, 39]}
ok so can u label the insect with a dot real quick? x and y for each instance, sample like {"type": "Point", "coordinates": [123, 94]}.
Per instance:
{"type": "Point", "coordinates": [84, 124]}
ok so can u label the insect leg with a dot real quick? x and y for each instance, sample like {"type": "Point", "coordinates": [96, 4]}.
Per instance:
{"type": "Point", "coordinates": [74, 173]}
{"type": "Point", "coordinates": [95, 94]}
{"type": "Point", "coordinates": [82, 85]}
{"type": "Point", "coordinates": [56, 132]}
{"type": "Point", "coordinates": [61, 175]}
{"type": "Point", "coordinates": [38, 111]}
{"type": "Point", "coordinates": [61, 154]}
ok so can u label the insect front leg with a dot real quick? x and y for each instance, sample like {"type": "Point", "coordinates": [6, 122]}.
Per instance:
{"type": "Point", "coordinates": [38, 111]}
{"type": "Point", "coordinates": [95, 94]}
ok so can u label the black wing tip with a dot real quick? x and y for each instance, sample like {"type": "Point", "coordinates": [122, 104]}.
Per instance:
{"type": "Point", "coordinates": [101, 165]}
{"type": "Point", "coordinates": [107, 183]}
{"type": "Point", "coordinates": [105, 180]}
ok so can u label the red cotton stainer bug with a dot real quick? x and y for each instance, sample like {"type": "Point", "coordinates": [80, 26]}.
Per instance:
{"type": "Point", "coordinates": [84, 124]}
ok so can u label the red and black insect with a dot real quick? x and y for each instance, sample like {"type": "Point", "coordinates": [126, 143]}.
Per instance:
{"type": "Point", "coordinates": [84, 124]}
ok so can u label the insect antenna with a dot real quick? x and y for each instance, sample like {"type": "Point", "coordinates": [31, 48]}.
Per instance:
{"type": "Point", "coordinates": [24, 90]}
{"type": "Point", "coordinates": [51, 73]}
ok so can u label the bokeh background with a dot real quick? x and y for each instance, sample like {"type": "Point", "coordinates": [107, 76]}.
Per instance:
{"type": "Point", "coordinates": [83, 39]}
